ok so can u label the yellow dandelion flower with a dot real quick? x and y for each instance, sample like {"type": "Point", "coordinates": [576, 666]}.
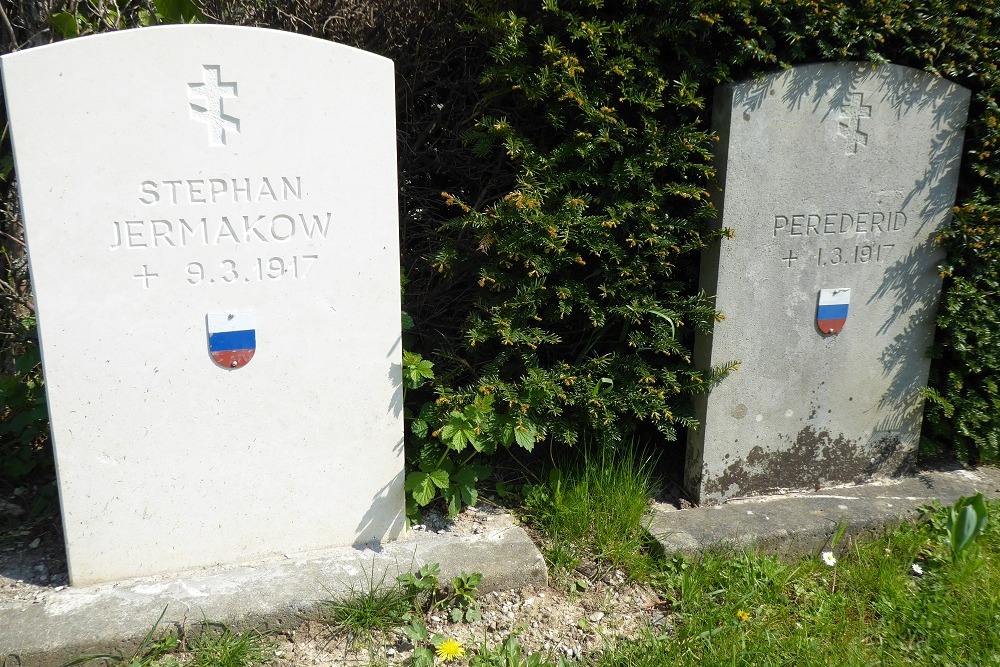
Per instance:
{"type": "Point", "coordinates": [742, 615]}
{"type": "Point", "coordinates": [450, 649]}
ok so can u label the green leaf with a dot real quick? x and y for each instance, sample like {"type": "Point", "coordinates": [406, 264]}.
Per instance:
{"type": "Point", "coordinates": [440, 478]}
{"type": "Point", "coordinates": [422, 657]}
{"type": "Point", "coordinates": [978, 503]}
{"type": "Point", "coordinates": [458, 432]}
{"type": "Point", "coordinates": [26, 362]}
{"type": "Point", "coordinates": [525, 434]}
{"type": "Point", "coordinates": [454, 499]}
{"type": "Point", "coordinates": [428, 410]}
{"type": "Point", "coordinates": [430, 572]}
{"type": "Point", "coordinates": [603, 386]}
{"type": "Point", "coordinates": [178, 11]}
{"type": "Point", "coordinates": [966, 520]}
{"type": "Point", "coordinates": [407, 321]}
{"type": "Point", "coordinates": [416, 370]}
{"type": "Point", "coordinates": [484, 446]}
{"type": "Point", "coordinates": [421, 487]}
{"type": "Point", "coordinates": [65, 24]}
{"type": "Point", "coordinates": [416, 630]}
{"type": "Point", "coordinates": [965, 529]}
{"type": "Point", "coordinates": [472, 473]}
{"type": "Point", "coordinates": [467, 478]}
{"type": "Point", "coordinates": [468, 493]}
{"type": "Point", "coordinates": [419, 428]}
{"type": "Point", "coordinates": [6, 167]}
{"type": "Point", "coordinates": [506, 430]}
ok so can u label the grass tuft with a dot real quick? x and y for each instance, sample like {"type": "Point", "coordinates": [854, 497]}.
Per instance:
{"type": "Point", "coordinates": [596, 507]}
{"type": "Point", "coordinates": [149, 652]}
{"type": "Point", "coordinates": [217, 645]}
{"type": "Point", "coordinates": [368, 615]}
{"type": "Point", "coordinates": [369, 610]}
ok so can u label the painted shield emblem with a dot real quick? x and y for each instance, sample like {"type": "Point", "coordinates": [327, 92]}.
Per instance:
{"type": "Point", "coordinates": [831, 313]}
{"type": "Point", "coordinates": [232, 338]}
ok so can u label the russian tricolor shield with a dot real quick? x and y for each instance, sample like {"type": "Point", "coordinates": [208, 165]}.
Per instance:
{"type": "Point", "coordinates": [232, 338]}
{"type": "Point", "coordinates": [831, 313]}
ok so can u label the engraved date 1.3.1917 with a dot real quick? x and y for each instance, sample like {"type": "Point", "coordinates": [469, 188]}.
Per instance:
{"type": "Point", "coordinates": [841, 255]}
{"type": "Point", "coordinates": [859, 254]}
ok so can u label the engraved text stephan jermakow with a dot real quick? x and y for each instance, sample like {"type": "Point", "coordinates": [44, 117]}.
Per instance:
{"type": "Point", "coordinates": [237, 230]}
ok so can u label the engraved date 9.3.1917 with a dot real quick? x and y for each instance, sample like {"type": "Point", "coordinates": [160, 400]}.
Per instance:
{"type": "Point", "coordinates": [259, 269]}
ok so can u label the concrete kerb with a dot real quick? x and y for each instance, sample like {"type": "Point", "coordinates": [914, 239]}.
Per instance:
{"type": "Point", "coordinates": [61, 625]}
{"type": "Point", "coordinates": [803, 523]}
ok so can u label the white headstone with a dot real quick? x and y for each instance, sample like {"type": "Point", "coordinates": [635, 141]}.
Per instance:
{"type": "Point", "coordinates": [836, 178]}
{"type": "Point", "coordinates": [211, 220]}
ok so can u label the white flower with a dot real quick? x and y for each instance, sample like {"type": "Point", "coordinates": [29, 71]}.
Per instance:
{"type": "Point", "coordinates": [917, 570]}
{"type": "Point", "coordinates": [829, 559]}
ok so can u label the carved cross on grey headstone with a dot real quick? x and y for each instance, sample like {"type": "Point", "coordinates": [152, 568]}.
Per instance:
{"type": "Point", "coordinates": [850, 122]}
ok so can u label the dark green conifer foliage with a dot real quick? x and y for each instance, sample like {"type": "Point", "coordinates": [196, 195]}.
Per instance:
{"type": "Point", "coordinates": [585, 271]}
{"type": "Point", "coordinates": [584, 295]}
{"type": "Point", "coordinates": [551, 292]}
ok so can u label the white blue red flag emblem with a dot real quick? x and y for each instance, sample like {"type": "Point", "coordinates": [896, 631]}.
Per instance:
{"type": "Point", "coordinates": [232, 338]}
{"type": "Point", "coordinates": [831, 312]}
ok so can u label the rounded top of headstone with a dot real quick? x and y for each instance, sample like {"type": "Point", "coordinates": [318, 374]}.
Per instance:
{"type": "Point", "coordinates": [808, 84]}
{"type": "Point", "coordinates": [169, 42]}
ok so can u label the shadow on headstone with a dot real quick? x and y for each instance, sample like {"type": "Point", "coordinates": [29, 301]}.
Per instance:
{"type": "Point", "coordinates": [835, 179]}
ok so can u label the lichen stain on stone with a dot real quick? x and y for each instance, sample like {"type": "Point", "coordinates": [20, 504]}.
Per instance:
{"type": "Point", "coordinates": [815, 459]}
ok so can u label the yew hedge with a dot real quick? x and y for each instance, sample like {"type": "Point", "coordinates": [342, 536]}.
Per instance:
{"type": "Point", "coordinates": [555, 171]}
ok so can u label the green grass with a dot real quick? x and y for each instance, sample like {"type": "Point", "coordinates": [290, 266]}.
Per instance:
{"type": "Point", "coordinates": [869, 609]}
{"type": "Point", "coordinates": [725, 608]}
{"type": "Point", "coordinates": [217, 645]}
{"type": "Point", "coordinates": [213, 645]}
{"type": "Point", "coordinates": [366, 613]}
{"type": "Point", "coordinates": [595, 508]}
{"type": "Point", "coordinates": [152, 650]}
{"type": "Point", "coordinates": [369, 614]}
{"type": "Point", "coordinates": [744, 608]}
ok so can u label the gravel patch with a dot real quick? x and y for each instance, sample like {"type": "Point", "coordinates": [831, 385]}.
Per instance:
{"type": "Point", "coordinates": [552, 620]}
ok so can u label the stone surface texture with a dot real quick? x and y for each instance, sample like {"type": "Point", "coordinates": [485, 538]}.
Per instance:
{"type": "Point", "coordinates": [172, 173]}
{"type": "Point", "coordinates": [800, 523]}
{"type": "Point", "coordinates": [62, 623]}
{"type": "Point", "coordinates": [833, 177]}
{"type": "Point", "coordinates": [47, 626]}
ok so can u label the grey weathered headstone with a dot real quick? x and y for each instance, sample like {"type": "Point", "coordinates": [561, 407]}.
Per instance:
{"type": "Point", "coordinates": [835, 179]}
{"type": "Point", "coordinates": [211, 221]}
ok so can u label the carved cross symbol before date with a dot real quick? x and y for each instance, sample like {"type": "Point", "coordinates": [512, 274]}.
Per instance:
{"type": "Point", "coordinates": [145, 275]}
{"type": "Point", "coordinates": [260, 269]}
